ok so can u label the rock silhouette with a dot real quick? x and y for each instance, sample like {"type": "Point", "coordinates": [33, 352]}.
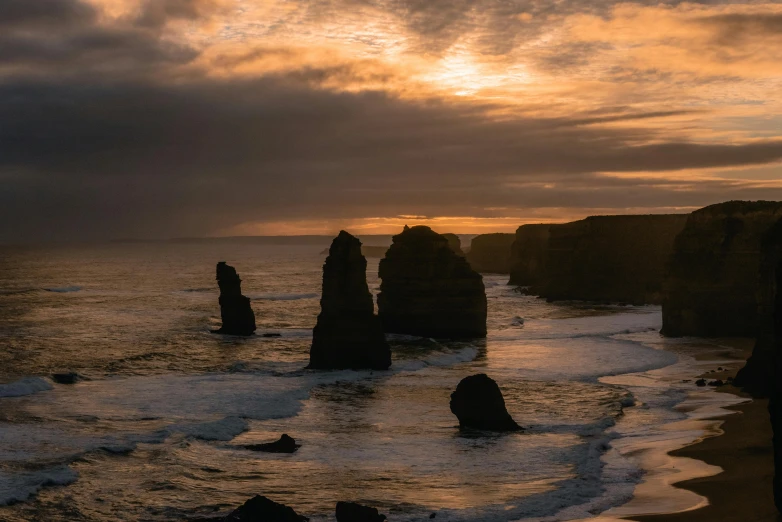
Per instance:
{"type": "Point", "coordinates": [352, 512]}
{"type": "Point", "coordinates": [428, 290]}
{"type": "Point", "coordinates": [491, 253]}
{"type": "Point", "coordinates": [757, 376]}
{"type": "Point", "coordinates": [348, 334]}
{"type": "Point", "coordinates": [260, 508]}
{"type": "Point", "coordinates": [286, 444]}
{"type": "Point", "coordinates": [529, 255]}
{"type": "Point", "coordinates": [478, 404]}
{"type": "Point", "coordinates": [610, 259]}
{"type": "Point", "coordinates": [235, 310]}
{"type": "Point", "coordinates": [454, 243]}
{"type": "Point", "coordinates": [711, 284]}
{"type": "Point", "coordinates": [65, 378]}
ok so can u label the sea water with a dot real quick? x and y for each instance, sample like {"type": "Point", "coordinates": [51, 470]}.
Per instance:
{"type": "Point", "coordinates": [155, 429]}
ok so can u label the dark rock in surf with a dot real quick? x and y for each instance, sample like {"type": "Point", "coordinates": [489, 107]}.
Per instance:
{"type": "Point", "coordinates": [348, 334]}
{"type": "Point", "coordinates": [286, 444]}
{"type": "Point", "coordinates": [478, 404]}
{"type": "Point", "coordinates": [429, 291]}
{"type": "Point", "coordinates": [65, 378]}
{"type": "Point", "coordinates": [700, 382]}
{"type": "Point", "coordinates": [352, 512]}
{"type": "Point", "coordinates": [235, 310]}
{"type": "Point", "coordinates": [261, 509]}
{"type": "Point", "coordinates": [716, 383]}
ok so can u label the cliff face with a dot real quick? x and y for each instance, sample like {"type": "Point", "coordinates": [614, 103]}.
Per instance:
{"type": "Point", "coordinates": [757, 376]}
{"type": "Point", "coordinates": [768, 348]}
{"type": "Point", "coordinates": [712, 277]}
{"type": "Point", "coordinates": [491, 253]}
{"type": "Point", "coordinates": [617, 259]}
{"type": "Point", "coordinates": [529, 254]}
{"type": "Point", "coordinates": [428, 290]}
{"type": "Point", "coordinates": [235, 310]}
{"type": "Point", "coordinates": [454, 243]}
{"type": "Point", "coordinates": [348, 334]}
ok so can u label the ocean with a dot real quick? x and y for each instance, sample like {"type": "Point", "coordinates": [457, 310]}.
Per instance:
{"type": "Point", "coordinates": [155, 429]}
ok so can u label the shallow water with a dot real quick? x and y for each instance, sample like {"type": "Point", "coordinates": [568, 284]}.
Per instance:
{"type": "Point", "coordinates": [155, 433]}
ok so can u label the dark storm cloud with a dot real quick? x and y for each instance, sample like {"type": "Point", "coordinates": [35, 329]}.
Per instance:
{"type": "Point", "coordinates": [736, 29]}
{"type": "Point", "coordinates": [99, 138]}
{"type": "Point", "coordinates": [158, 159]}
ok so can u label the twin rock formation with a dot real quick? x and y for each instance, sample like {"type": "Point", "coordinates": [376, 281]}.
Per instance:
{"type": "Point", "coordinates": [427, 290]}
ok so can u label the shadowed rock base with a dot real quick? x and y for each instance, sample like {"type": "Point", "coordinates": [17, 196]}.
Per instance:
{"type": "Point", "coordinates": [235, 310]}
{"type": "Point", "coordinates": [348, 334]}
{"type": "Point", "coordinates": [428, 290]}
{"type": "Point", "coordinates": [352, 512]}
{"type": "Point", "coordinates": [261, 509]}
{"type": "Point", "coordinates": [478, 404]}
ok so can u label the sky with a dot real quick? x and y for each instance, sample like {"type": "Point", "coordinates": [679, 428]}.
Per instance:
{"type": "Point", "coordinates": [168, 118]}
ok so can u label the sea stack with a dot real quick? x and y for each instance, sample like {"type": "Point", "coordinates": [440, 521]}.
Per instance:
{"type": "Point", "coordinates": [712, 277]}
{"type": "Point", "coordinates": [428, 290]}
{"type": "Point", "coordinates": [235, 310]}
{"type": "Point", "coordinates": [490, 253]}
{"type": "Point", "coordinates": [348, 334]}
{"type": "Point", "coordinates": [478, 404]}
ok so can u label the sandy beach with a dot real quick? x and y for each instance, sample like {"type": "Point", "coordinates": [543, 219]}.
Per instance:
{"type": "Point", "coordinates": [742, 492]}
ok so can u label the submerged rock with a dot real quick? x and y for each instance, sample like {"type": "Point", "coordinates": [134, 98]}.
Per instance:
{"type": "Point", "coordinates": [352, 512]}
{"type": "Point", "coordinates": [348, 334]}
{"type": "Point", "coordinates": [491, 253]}
{"type": "Point", "coordinates": [286, 444]}
{"type": "Point", "coordinates": [65, 378]}
{"type": "Point", "coordinates": [235, 310]}
{"type": "Point", "coordinates": [428, 290]}
{"type": "Point", "coordinates": [713, 272]}
{"type": "Point", "coordinates": [478, 404]}
{"type": "Point", "coordinates": [261, 509]}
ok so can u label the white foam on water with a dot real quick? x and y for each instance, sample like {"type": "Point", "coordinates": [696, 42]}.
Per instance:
{"type": "Point", "coordinates": [63, 289]}
{"type": "Point", "coordinates": [18, 487]}
{"type": "Point", "coordinates": [25, 386]}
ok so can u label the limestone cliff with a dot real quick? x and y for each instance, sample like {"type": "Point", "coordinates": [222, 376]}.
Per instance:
{"type": "Point", "coordinates": [235, 310]}
{"type": "Point", "coordinates": [615, 259]}
{"type": "Point", "coordinates": [757, 376]}
{"type": "Point", "coordinates": [490, 253]}
{"type": "Point", "coordinates": [712, 277]}
{"type": "Point", "coordinates": [529, 253]}
{"type": "Point", "coordinates": [428, 290]}
{"type": "Point", "coordinates": [348, 334]}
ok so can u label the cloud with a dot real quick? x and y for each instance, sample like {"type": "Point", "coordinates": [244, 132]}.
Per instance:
{"type": "Point", "coordinates": [131, 119]}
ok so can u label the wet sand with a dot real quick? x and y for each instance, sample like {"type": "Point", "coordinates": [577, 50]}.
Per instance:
{"type": "Point", "coordinates": [742, 492]}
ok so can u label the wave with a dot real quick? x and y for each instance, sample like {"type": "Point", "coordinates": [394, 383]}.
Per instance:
{"type": "Point", "coordinates": [25, 386]}
{"type": "Point", "coordinates": [222, 430]}
{"type": "Point", "coordinates": [63, 289]}
{"type": "Point", "coordinates": [282, 297]}
{"type": "Point", "coordinates": [18, 487]}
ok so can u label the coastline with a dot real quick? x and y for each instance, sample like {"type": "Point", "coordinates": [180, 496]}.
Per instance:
{"type": "Point", "coordinates": [742, 491]}
{"type": "Point", "coordinates": [724, 471]}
